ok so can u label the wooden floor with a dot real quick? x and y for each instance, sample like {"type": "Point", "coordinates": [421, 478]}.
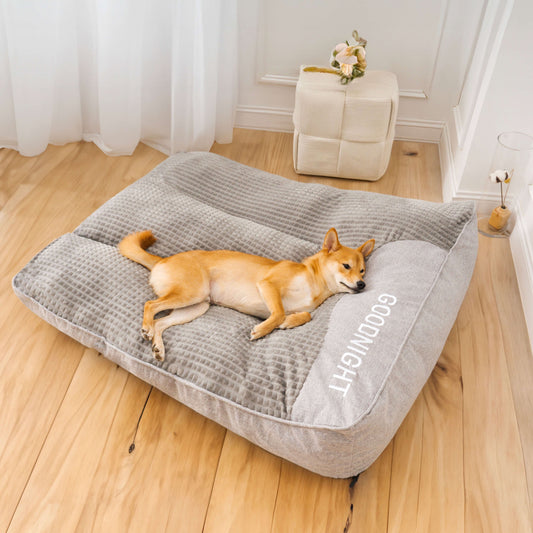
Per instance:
{"type": "Point", "coordinates": [462, 461]}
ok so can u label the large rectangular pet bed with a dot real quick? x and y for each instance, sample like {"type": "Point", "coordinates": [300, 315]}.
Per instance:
{"type": "Point", "coordinates": [328, 395]}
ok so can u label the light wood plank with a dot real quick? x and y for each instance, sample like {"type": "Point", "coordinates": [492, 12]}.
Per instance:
{"type": "Point", "coordinates": [311, 503]}
{"type": "Point", "coordinates": [370, 496]}
{"type": "Point", "coordinates": [518, 354]}
{"type": "Point", "coordinates": [427, 475]}
{"type": "Point", "coordinates": [495, 478]}
{"type": "Point", "coordinates": [406, 471]}
{"type": "Point", "coordinates": [34, 354]}
{"type": "Point", "coordinates": [265, 150]}
{"type": "Point", "coordinates": [441, 501]}
{"type": "Point", "coordinates": [45, 204]}
{"type": "Point", "coordinates": [16, 170]}
{"type": "Point", "coordinates": [57, 489]}
{"type": "Point", "coordinates": [35, 373]}
{"type": "Point", "coordinates": [166, 482]}
{"type": "Point", "coordinates": [246, 486]}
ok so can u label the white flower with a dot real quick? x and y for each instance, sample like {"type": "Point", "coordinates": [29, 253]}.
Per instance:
{"type": "Point", "coordinates": [499, 176]}
{"type": "Point", "coordinates": [346, 69]}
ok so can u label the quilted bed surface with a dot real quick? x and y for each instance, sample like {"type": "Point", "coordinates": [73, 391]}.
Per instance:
{"type": "Point", "coordinates": [330, 374]}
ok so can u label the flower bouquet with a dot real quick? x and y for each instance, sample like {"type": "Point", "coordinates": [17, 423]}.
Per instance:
{"type": "Point", "coordinates": [348, 60]}
{"type": "Point", "coordinates": [500, 215]}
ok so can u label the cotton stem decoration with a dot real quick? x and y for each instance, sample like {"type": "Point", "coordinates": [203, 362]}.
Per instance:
{"type": "Point", "coordinates": [500, 215]}
{"type": "Point", "coordinates": [348, 60]}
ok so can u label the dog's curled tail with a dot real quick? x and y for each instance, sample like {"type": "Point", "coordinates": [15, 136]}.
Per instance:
{"type": "Point", "coordinates": [133, 247]}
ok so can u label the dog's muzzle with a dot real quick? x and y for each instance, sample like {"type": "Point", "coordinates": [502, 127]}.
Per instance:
{"type": "Point", "coordinates": [359, 286]}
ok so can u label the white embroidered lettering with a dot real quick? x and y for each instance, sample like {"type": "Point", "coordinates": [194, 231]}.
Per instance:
{"type": "Point", "coordinates": [344, 390]}
{"type": "Point", "coordinates": [375, 320]}
{"type": "Point", "coordinates": [387, 299]}
{"type": "Point", "coordinates": [382, 310]}
{"type": "Point", "coordinates": [350, 357]}
{"type": "Point", "coordinates": [365, 329]}
{"type": "Point", "coordinates": [360, 343]}
{"type": "Point", "coordinates": [344, 372]}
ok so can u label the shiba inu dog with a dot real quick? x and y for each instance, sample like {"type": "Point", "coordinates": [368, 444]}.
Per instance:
{"type": "Point", "coordinates": [283, 293]}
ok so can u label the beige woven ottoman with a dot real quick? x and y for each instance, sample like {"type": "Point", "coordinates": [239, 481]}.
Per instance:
{"type": "Point", "coordinates": [345, 131]}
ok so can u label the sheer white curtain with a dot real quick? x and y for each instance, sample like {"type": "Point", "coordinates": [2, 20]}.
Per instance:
{"type": "Point", "coordinates": [117, 72]}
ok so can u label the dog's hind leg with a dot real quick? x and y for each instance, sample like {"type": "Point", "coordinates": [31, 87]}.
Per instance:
{"type": "Point", "coordinates": [176, 300]}
{"type": "Point", "coordinates": [179, 281]}
{"type": "Point", "coordinates": [177, 316]}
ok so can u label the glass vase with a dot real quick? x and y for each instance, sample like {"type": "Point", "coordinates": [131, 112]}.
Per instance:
{"type": "Point", "coordinates": [496, 212]}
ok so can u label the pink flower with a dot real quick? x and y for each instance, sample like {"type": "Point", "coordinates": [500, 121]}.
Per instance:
{"type": "Point", "coordinates": [340, 47]}
{"type": "Point", "coordinates": [347, 56]}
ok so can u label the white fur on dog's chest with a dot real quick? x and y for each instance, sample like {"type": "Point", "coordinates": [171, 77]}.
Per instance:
{"type": "Point", "coordinates": [298, 296]}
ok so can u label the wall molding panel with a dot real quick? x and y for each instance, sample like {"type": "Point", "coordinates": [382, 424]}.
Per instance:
{"type": "Point", "coordinates": [429, 47]}
{"type": "Point", "coordinates": [271, 68]}
{"type": "Point", "coordinates": [493, 25]}
{"type": "Point", "coordinates": [291, 81]}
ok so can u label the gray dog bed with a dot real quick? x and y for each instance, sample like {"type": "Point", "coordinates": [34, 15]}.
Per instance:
{"type": "Point", "coordinates": [328, 395]}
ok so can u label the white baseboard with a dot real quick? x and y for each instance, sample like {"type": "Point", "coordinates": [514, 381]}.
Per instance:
{"type": "Point", "coordinates": [280, 119]}
{"type": "Point", "coordinates": [521, 242]}
{"type": "Point", "coordinates": [264, 118]}
{"type": "Point", "coordinates": [418, 130]}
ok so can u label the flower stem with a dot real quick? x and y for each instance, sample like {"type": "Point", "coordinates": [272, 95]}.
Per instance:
{"type": "Point", "coordinates": [320, 69]}
{"type": "Point", "coordinates": [507, 190]}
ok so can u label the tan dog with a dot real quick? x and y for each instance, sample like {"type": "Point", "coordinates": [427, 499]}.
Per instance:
{"type": "Point", "coordinates": [282, 292]}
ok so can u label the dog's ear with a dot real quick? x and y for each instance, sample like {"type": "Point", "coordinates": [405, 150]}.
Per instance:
{"type": "Point", "coordinates": [331, 241]}
{"type": "Point", "coordinates": [367, 247]}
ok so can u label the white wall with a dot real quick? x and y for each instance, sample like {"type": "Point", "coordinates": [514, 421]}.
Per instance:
{"type": "Point", "coordinates": [497, 96]}
{"type": "Point", "coordinates": [508, 102]}
{"type": "Point", "coordinates": [427, 44]}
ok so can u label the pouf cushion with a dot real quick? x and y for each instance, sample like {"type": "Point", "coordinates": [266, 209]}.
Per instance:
{"type": "Point", "coordinates": [344, 131]}
{"type": "Point", "coordinates": [328, 395]}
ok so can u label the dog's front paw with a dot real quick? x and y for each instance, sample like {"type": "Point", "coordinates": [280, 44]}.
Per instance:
{"type": "Point", "coordinates": [257, 333]}
{"type": "Point", "coordinates": [158, 351]}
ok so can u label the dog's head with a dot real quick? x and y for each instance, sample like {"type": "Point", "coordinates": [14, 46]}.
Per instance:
{"type": "Point", "coordinates": [344, 268]}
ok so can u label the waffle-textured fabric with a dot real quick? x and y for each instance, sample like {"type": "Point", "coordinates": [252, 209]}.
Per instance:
{"type": "Point", "coordinates": [328, 395]}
